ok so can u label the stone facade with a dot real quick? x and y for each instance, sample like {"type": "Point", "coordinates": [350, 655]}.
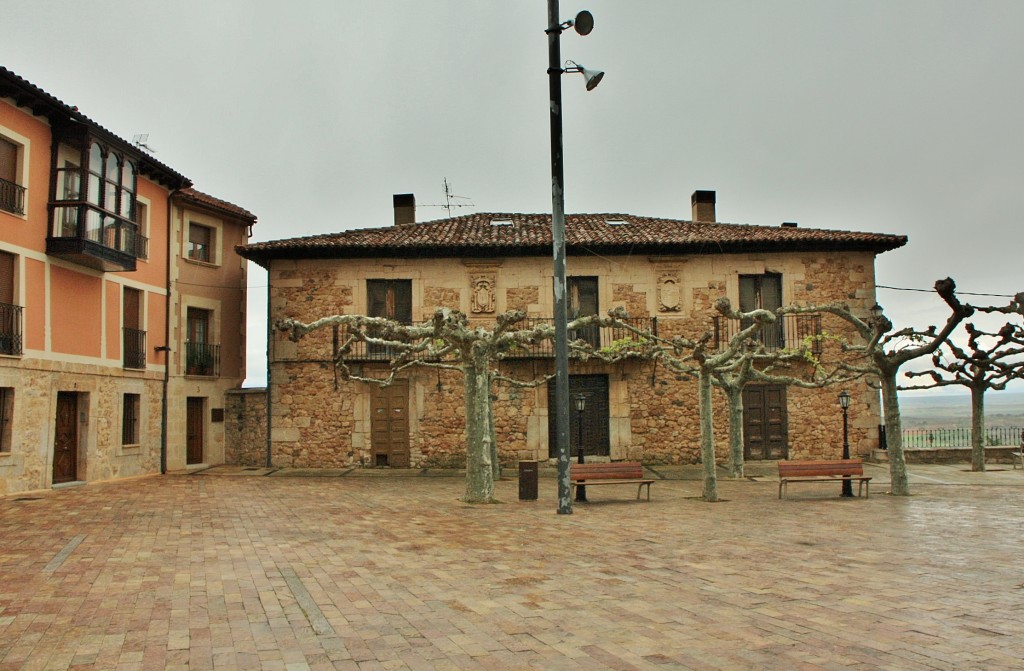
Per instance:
{"type": "Point", "coordinates": [245, 427]}
{"type": "Point", "coordinates": [319, 420]}
{"type": "Point", "coordinates": [99, 398]}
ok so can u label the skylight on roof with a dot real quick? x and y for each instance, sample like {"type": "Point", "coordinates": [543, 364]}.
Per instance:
{"type": "Point", "coordinates": [501, 222]}
{"type": "Point", "coordinates": [616, 222]}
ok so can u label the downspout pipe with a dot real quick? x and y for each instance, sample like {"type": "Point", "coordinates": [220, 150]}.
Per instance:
{"type": "Point", "coordinates": [270, 340]}
{"type": "Point", "coordinates": [167, 329]}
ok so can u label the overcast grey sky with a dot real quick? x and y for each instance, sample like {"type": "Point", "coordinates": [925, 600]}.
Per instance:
{"type": "Point", "coordinates": [892, 116]}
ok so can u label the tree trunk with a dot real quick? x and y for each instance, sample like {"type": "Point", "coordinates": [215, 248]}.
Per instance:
{"type": "Point", "coordinates": [491, 398]}
{"type": "Point", "coordinates": [894, 435]}
{"type": "Point", "coordinates": [735, 394]}
{"type": "Point", "coordinates": [707, 437]}
{"type": "Point", "coordinates": [977, 428]}
{"type": "Point", "coordinates": [479, 476]}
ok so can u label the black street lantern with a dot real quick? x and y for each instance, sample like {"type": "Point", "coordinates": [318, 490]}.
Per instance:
{"type": "Point", "coordinates": [844, 403]}
{"type": "Point", "coordinates": [582, 24]}
{"type": "Point", "coordinates": [581, 404]}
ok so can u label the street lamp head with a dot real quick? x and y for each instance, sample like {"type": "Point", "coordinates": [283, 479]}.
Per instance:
{"type": "Point", "coordinates": [844, 399]}
{"type": "Point", "coordinates": [877, 311]}
{"type": "Point", "coordinates": [583, 23]}
{"type": "Point", "coordinates": [581, 402]}
{"type": "Point", "coordinates": [592, 77]}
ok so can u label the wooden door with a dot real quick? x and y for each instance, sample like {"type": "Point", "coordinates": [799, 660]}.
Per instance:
{"type": "Point", "coordinates": [65, 440]}
{"type": "Point", "coordinates": [389, 425]}
{"type": "Point", "coordinates": [765, 431]}
{"type": "Point", "coordinates": [194, 425]}
{"type": "Point", "coordinates": [595, 417]}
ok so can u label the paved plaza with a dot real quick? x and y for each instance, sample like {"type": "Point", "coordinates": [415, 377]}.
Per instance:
{"type": "Point", "coordinates": [247, 569]}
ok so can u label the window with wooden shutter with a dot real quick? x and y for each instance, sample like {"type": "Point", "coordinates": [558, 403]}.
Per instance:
{"type": "Point", "coordinates": [7, 278]}
{"type": "Point", "coordinates": [8, 160]}
{"type": "Point", "coordinates": [763, 292]}
{"type": "Point", "coordinates": [200, 242]}
{"type": "Point", "coordinates": [134, 334]}
{"type": "Point", "coordinates": [583, 303]}
{"type": "Point", "coordinates": [12, 194]}
{"type": "Point", "coordinates": [391, 299]}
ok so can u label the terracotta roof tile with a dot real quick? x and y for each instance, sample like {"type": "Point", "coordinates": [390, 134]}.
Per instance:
{"type": "Point", "coordinates": [206, 200]}
{"type": "Point", "coordinates": [530, 234]}
{"type": "Point", "coordinates": [28, 95]}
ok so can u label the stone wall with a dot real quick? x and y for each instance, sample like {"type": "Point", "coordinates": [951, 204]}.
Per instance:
{"type": "Point", "coordinates": [320, 420]}
{"type": "Point", "coordinates": [99, 391]}
{"type": "Point", "coordinates": [245, 427]}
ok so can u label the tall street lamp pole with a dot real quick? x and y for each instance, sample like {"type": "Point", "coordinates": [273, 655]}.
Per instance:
{"type": "Point", "coordinates": [844, 403]}
{"type": "Point", "coordinates": [583, 24]}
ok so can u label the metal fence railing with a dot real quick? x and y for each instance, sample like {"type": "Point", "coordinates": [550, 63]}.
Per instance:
{"type": "Point", "coordinates": [924, 439]}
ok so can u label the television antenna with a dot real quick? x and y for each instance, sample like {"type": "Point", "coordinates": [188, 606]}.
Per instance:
{"type": "Point", "coordinates": [449, 199]}
{"type": "Point", "coordinates": [140, 141]}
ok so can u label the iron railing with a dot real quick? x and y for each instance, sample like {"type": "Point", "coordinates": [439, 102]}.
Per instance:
{"type": "Point", "coordinates": [598, 336]}
{"type": "Point", "coordinates": [202, 359]}
{"type": "Point", "coordinates": [789, 332]}
{"type": "Point", "coordinates": [134, 348]}
{"type": "Point", "coordinates": [996, 436]}
{"type": "Point", "coordinates": [12, 197]}
{"type": "Point", "coordinates": [10, 329]}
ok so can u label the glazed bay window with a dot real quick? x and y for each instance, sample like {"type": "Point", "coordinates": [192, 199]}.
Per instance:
{"type": "Point", "coordinates": [200, 242]}
{"type": "Point", "coordinates": [94, 210]}
{"type": "Point", "coordinates": [12, 194]}
{"type": "Point", "coordinates": [130, 410]}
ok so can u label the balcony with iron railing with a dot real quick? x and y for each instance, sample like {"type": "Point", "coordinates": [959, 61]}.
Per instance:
{"type": "Point", "coordinates": [91, 237]}
{"type": "Point", "coordinates": [792, 332]}
{"type": "Point", "coordinates": [134, 348]}
{"type": "Point", "coordinates": [12, 197]}
{"type": "Point", "coordinates": [10, 329]}
{"type": "Point", "coordinates": [597, 336]}
{"type": "Point", "coordinates": [202, 359]}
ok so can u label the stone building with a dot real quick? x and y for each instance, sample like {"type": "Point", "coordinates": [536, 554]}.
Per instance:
{"type": "Point", "coordinates": [666, 273]}
{"type": "Point", "coordinates": [121, 302]}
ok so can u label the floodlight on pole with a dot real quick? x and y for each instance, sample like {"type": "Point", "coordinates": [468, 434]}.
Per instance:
{"type": "Point", "coordinates": [591, 77]}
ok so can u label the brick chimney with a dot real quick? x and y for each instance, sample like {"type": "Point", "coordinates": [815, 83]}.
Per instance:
{"type": "Point", "coordinates": [703, 204]}
{"type": "Point", "coordinates": [405, 208]}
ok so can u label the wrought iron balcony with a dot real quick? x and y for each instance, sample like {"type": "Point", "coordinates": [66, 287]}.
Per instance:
{"type": "Point", "coordinates": [202, 359]}
{"type": "Point", "coordinates": [544, 349]}
{"type": "Point", "coordinates": [12, 197]}
{"type": "Point", "coordinates": [134, 348]}
{"type": "Point", "coordinates": [85, 235]}
{"type": "Point", "coordinates": [792, 332]}
{"type": "Point", "coordinates": [10, 329]}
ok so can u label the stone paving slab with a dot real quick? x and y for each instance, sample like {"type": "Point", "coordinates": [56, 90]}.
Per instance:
{"type": "Point", "coordinates": [198, 572]}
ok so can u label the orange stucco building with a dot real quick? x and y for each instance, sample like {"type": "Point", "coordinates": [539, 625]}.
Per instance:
{"type": "Point", "coordinates": [122, 302]}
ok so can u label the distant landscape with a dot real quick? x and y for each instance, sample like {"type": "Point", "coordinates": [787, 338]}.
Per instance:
{"type": "Point", "coordinates": [929, 411]}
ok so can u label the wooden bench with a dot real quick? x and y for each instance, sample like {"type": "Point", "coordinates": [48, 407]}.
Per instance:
{"type": "Point", "coordinates": [614, 473]}
{"type": "Point", "coordinates": [823, 470]}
